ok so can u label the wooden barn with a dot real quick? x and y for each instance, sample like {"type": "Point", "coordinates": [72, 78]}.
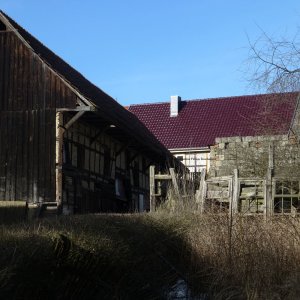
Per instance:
{"type": "Point", "coordinates": [64, 143]}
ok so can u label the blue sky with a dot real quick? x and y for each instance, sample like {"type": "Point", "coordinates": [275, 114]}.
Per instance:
{"type": "Point", "coordinates": [142, 51]}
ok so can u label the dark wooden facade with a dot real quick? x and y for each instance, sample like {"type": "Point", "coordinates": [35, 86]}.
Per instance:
{"type": "Point", "coordinates": [29, 94]}
{"type": "Point", "coordinates": [106, 153]}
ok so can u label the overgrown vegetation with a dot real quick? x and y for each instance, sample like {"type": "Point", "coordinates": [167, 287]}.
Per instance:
{"type": "Point", "coordinates": [143, 256]}
{"type": "Point", "coordinates": [92, 257]}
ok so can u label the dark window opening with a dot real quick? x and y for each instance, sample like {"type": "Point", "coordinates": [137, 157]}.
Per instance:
{"type": "Point", "coordinates": [107, 162]}
{"type": "Point", "coordinates": [80, 157]}
{"type": "Point", "coordinates": [2, 26]}
{"type": "Point", "coordinates": [66, 153]}
{"type": "Point", "coordinates": [136, 174]}
{"type": "Point", "coordinates": [120, 188]}
{"type": "Point", "coordinates": [180, 158]}
{"type": "Point", "coordinates": [287, 197]}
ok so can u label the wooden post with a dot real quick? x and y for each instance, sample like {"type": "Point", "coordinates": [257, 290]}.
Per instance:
{"type": "Point", "coordinates": [175, 184]}
{"type": "Point", "coordinates": [60, 129]}
{"type": "Point", "coordinates": [268, 188]}
{"type": "Point", "coordinates": [152, 188]}
{"type": "Point", "coordinates": [59, 158]}
{"type": "Point", "coordinates": [159, 186]}
{"type": "Point", "coordinates": [235, 192]}
{"type": "Point", "coordinates": [200, 199]}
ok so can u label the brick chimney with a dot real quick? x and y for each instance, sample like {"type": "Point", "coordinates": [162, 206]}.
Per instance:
{"type": "Point", "coordinates": [175, 106]}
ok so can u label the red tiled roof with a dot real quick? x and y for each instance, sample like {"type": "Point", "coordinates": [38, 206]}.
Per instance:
{"type": "Point", "coordinates": [199, 122]}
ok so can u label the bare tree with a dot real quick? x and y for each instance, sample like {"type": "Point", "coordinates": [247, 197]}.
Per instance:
{"type": "Point", "coordinates": [274, 63]}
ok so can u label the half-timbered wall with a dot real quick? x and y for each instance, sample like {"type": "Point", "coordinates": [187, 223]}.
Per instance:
{"type": "Point", "coordinates": [99, 178]}
{"type": "Point", "coordinates": [195, 160]}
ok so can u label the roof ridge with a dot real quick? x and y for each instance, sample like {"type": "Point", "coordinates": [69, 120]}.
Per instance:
{"type": "Point", "coordinates": [215, 98]}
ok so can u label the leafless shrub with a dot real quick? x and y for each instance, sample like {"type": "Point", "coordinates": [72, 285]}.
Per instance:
{"type": "Point", "coordinates": [274, 63]}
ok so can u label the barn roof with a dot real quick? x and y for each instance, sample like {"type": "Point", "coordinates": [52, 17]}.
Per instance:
{"type": "Point", "coordinates": [199, 122]}
{"type": "Point", "coordinates": [109, 109]}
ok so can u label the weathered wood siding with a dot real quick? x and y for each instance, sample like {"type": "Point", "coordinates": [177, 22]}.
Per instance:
{"type": "Point", "coordinates": [29, 95]}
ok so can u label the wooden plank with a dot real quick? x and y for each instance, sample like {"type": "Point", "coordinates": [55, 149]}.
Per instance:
{"type": "Point", "coordinates": [152, 188]}
{"type": "Point", "coordinates": [217, 179]}
{"type": "Point", "coordinates": [10, 74]}
{"type": "Point", "coordinates": [59, 158]}
{"type": "Point", "coordinates": [73, 120]}
{"type": "Point", "coordinates": [31, 140]}
{"type": "Point", "coordinates": [268, 190]}
{"type": "Point", "coordinates": [35, 83]}
{"type": "Point", "coordinates": [175, 184]}
{"type": "Point", "coordinates": [6, 73]}
{"type": "Point", "coordinates": [78, 108]}
{"type": "Point", "coordinates": [52, 135]}
{"type": "Point", "coordinates": [200, 199]}
{"type": "Point", "coordinates": [13, 156]}
{"type": "Point", "coordinates": [42, 153]}
{"type": "Point", "coordinates": [30, 81]}
{"type": "Point", "coordinates": [3, 147]}
{"type": "Point", "coordinates": [13, 72]}
{"type": "Point", "coordinates": [52, 101]}
{"type": "Point", "coordinates": [19, 155]}
{"type": "Point", "coordinates": [25, 157]}
{"type": "Point", "coordinates": [57, 92]}
{"type": "Point", "coordinates": [163, 177]}
{"type": "Point", "coordinates": [235, 193]}
{"type": "Point", "coordinates": [2, 58]}
{"type": "Point", "coordinates": [36, 155]}
{"type": "Point", "coordinates": [271, 156]}
{"type": "Point", "coordinates": [268, 211]}
{"type": "Point", "coordinates": [47, 157]}
{"type": "Point", "coordinates": [8, 157]}
{"type": "Point", "coordinates": [221, 194]}
{"type": "Point", "coordinates": [25, 78]}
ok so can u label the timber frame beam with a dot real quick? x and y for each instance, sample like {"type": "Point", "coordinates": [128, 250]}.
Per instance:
{"type": "Point", "coordinates": [99, 132]}
{"type": "Point", "coordinates": [124, 147]}
{"type": "Point", "coordinates": [60, 130]}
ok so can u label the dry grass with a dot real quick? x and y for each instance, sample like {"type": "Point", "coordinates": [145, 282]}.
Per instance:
{"type": "Point", "coordinates": [239, 257]}
{"type": "Point", "coordinates": [248, 258]}
{"type": "Point", "coordinates": [142, 256]}
{"type": "Point", "coordinates": [92, 257]}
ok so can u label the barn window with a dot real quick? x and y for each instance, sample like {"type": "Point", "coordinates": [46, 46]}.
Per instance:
{"type": "Point", "coordinates": [80, 157]}
{"type": "Point", "coordinates": [107, 162]}
{"type": "Point", "coordinates": [252, 196]}
{"type": "Point", "coordinates": [2, 26]}
{"type": "Point", "coordinates": [66, 153]}
{"type": "Point", "coordinates": [286, 198]}
{"type": "Point", "coordinates": [136, 174]}
{"type": "Point", "coordinates": [120, 188]}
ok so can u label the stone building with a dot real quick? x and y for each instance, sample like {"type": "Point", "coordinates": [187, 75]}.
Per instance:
{"type": "Point", "coordinates": [248, 146]}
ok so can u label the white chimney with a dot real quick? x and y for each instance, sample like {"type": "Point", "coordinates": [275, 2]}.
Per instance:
{"type": "Point", "coordinates": [175, 106]}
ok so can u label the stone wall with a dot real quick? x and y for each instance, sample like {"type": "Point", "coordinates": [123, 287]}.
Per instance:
{"type": "Point", "coordinates": [250, 155]}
